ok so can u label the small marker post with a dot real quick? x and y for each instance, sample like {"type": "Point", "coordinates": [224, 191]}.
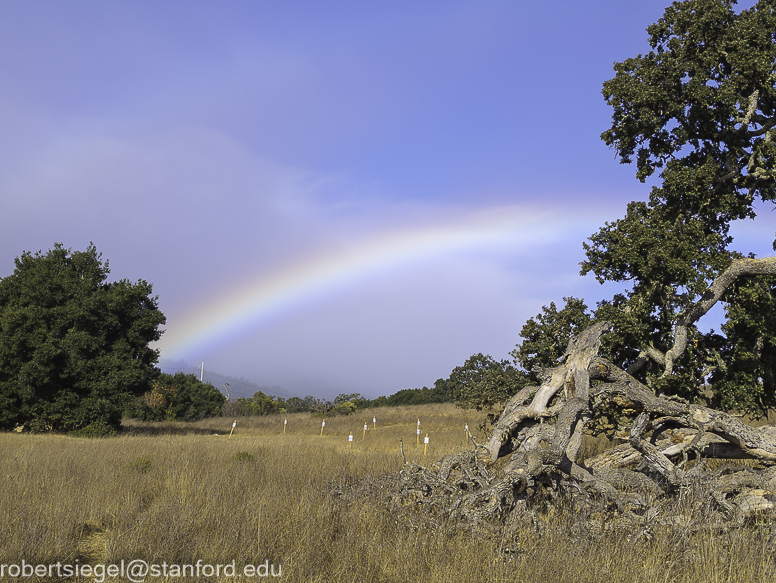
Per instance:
{"type": "Point", "coordinates": [350, 440]}
{"type": "Point", "coordinates": [233, 426]}
{"type": "Point", "coordinates": [374, 422]}
{"type": "Point", "coordinates": [323, 424]}
{"type": "Point", "coordinates": [425, 444]}
{"type": "Point", "coordinates": [365, 426]}
{"type": "Point", "coordinates": [417, 436]}
{"type": "Point", "coordinates": [285, 422]}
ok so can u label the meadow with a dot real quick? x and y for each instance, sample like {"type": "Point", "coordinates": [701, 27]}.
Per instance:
{"type": "Point", "coordinates": [175, 494]}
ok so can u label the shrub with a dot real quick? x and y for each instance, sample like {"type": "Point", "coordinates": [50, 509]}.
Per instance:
{"type": "Point", "coordinates": [99, 428]}
{"type": "Point", "coordinates": [141, 465]}
{"type": "Point", "coordinates": [345, 408]}
{"type": "Point", "coordinates": [266, 405]}
{"type": "Point", "coordinates": [243, 456]}
{"type": "Point", "coordinates": [179, 397]}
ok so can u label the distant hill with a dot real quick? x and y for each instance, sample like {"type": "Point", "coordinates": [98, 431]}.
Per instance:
{"type": "Point", "coordinates": [238, 387]}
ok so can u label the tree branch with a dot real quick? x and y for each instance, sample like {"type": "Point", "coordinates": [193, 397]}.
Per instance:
{"type": "Point", "coordinates": [739, 268]}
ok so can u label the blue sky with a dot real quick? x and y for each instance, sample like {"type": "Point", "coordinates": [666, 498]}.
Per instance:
{"type": "Point", "coordinates": [211, 148]}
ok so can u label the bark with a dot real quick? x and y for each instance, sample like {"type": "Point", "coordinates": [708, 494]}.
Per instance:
{"type": "Point", "coordinates": [572, 377]}
{"type": "Point", "coordinates": [643, 482]}
{"type": "Point", "coordinates": [739, 268]}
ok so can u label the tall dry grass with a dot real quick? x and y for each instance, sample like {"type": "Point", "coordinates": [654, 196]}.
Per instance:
{"type": "Point", "coordinates": [178, 493]}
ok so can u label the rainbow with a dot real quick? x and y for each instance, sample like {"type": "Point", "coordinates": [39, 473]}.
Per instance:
{"type": "Point", "coordinates": [222, 317]}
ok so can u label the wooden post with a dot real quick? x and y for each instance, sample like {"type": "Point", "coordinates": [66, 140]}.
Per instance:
{"type": "Point", "coordinates": [365, 426]}
{"type": "Point", "coordinates": [323, 424]}
{"type": "Point", "coordinates": [285, 422]}
{"type": "Point", "coordinates": [425, 444]}
{"type": "Point", "coordinates": [233, 426]}
{"type": "Point", "coordinates": [350, 440]}
{"type": "Point", "coordinates": [374, 422]}
{"type": "Point", "coordinates": [417, 436]}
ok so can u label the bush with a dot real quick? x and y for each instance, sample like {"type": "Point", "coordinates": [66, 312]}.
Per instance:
{"type": "Point", "coordinates": [179, 397]}
{"type": "Point", "coordinates": [142, 465]}
{"type": "Point", "coordinates": [266, 405]}
{"type": "Point", "coordinates": [99, 428]}
{"type": "Point", "coordinates": [345, 408]}
{"type": "Point", "coordinates": [240, 407]}
{"type": "Point", "coordinates": [243, 456]}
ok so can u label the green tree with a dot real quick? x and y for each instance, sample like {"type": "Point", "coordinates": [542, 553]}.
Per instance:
{"type": "Point", "coordinates": [263, 404]}
{"type": "Point", "coordinates": [439, 393]}
{"type": "Point", "coordinates": [700, 109]}
{"type": "Point", "coordinates": [240, 407]}
{"type": "Point", "coordinates": [178, 397]}
{"type": "Point", "coordinates": [73, 347]}
{"type": "Point", "coordinates": [297, 405]}
{"type": "Point", "coordinates": [344, 408]}
{"type": "Point", "coordinates": [356, 398]}
{"type": "Point", "coordinates": [546, 336]}
{"type": "Point", "coordinates": [482, 382]}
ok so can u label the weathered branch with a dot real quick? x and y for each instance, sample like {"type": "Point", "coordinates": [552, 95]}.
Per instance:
{"type": "Point", "coordinates": [739, 268]}
{"type": "Point", "coordinates": [572, 377]}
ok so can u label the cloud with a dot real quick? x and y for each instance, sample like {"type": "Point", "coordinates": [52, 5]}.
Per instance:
{"type": "Point", "coordinates": [385, 293]}
{"type": "Point", "coordinates": [384, 149]}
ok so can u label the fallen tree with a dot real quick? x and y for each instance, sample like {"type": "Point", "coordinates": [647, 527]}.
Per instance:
{"type": "Point", "coordinates": [661, 478]}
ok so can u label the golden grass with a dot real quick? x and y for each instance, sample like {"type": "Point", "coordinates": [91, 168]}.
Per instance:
{"type": "Point", "coordinates": [177, 493]}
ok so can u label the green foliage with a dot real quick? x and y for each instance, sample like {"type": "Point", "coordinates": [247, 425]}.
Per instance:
{"type": "Point", "coordinates": [381, 401]}
{"type": "Point", "coordinates": [702, 99]}
{"type": "Point", "coordinates": [178, 397]}
{"type": "Point", "coordinates": [240, 407]}
{"type": "Point", "coordinates": [266, 405]}
{"type": "Point", "coordinates": [99, 428]}
{"type": "Point", "coordinates": [356, 398]}
{"type": "Point", "coordinates": [298, 405]}
{"type": "Point", "coordinates": [344, 408]}
{"type": "Point", "coordinates": [546, 336]}
{"type": "Point", "coordinates": [141, 465]}
{"type": "Point", "coordinates": [441, 392]}
{"type": "Point", "coordinates": [73, 347]}
{"type": "Point", "coordinates": [243, 457]}
{"type": "Point", "coordinates": [482, 383]}
{"type": "Point", "coordinates": [746, 375]}
{"type": "Point", "coordinates": [700, 109]}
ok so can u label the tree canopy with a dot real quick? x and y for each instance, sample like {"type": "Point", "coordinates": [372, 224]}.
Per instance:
{"type": "Point", "coordinates": [700, 109]}
{"type": "Point", "coordinates": [74, 348]}
{"type": "Point", "coordinates": [178, 397]}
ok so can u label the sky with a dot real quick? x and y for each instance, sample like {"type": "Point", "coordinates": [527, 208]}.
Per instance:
{"type": "Point", "coordinates": [327, 197]}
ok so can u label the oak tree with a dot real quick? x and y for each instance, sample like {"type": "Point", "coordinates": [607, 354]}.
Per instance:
{"type": "Point", "coordinates": [699, 109]}
{"type": "Point", "coordinates": [74, 348]}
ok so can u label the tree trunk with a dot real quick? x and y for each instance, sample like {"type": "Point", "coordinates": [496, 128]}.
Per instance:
{"type": "Point", "coordinates": [541, 430]}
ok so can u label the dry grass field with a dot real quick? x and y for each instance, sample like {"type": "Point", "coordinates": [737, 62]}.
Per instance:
{"type": "Point", "coordinates": [176, 494]}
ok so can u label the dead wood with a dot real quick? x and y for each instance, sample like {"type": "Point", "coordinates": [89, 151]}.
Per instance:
{"type": "Point", "coordinates": [644, 483]}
